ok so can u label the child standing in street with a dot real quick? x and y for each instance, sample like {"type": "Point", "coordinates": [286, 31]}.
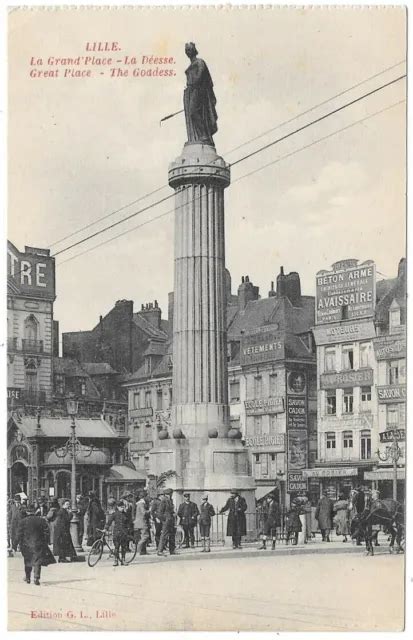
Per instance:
{"type": "Point", "coordinates": [120, 521]}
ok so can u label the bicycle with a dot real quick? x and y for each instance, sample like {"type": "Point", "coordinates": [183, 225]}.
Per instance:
{"type": "Point", "coordinates": [96, 550]}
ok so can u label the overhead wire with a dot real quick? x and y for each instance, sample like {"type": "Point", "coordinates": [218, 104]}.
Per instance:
{"type": "Point", "coordinates": [273, 162]}
{"type": "Point", "coordinates": [242, 159]}
{"type": "Point", "coordinates": [261, 135]}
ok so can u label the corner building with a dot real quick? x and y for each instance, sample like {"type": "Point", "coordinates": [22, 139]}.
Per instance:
{"type": "Point", "coordinates": [347, 402]}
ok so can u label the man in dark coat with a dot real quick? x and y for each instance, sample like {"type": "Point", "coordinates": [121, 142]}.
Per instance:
{"type": "Point", "coordinates": [120, 532]}
{"type": "Point", "coordinates": [324, 515]}
{"type": "Point", "coordinates": [166, 515]}
{"type": "Point", "coordinates": [33, 535]}
{"type": "Point", "coordinates": [272, 520]}
{"type": "Point", "coordinates": [207, 511]}
{"type": "Point", "coordinates": [293, 524]}
{"type": "Point", "coordinates": [236, 524]}
{"type": "Point", "coordinates": [154, 509]}
{"type": "Point", "coordinates": [18, 512]}
{"type": "Point", "coordinates": [62, 540]}
{"type": "Point", "coordinates": [188, 514]}
{"type": "Point", "coordinates": [96, 518]}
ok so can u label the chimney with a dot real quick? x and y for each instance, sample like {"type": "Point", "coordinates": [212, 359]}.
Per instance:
{"type": "Point", "coordinates": [281, 283]}
{"type": "Point", "coordinates": [152, 313]}
{"type": "Point", "coordinates": [271, 293]}
{"type": "Point", "coordinates": [289, 286]}
{"type": "Point", "coordinates": [401, 273]}
{"type": "Point", "coordinates": [293, 288]}
{"type": "Point", "coordinates": [246, 292]}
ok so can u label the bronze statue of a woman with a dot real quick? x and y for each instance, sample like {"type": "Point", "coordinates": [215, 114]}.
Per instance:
{"type": "Point", "coordinates": [199, 100]}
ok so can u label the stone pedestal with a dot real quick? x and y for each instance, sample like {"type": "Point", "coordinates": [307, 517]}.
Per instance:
{"type": "Point", "coordinates": [200, 452]}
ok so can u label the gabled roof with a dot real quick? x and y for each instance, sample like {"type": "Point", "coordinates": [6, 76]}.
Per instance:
{"type": "Point", "coordinates": [148, 328]}
{"type": "Point", "coordinates": [394, 289]}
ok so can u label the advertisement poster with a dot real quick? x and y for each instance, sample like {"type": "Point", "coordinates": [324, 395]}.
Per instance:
{"type": "Point", "coordinates": [190, 190]}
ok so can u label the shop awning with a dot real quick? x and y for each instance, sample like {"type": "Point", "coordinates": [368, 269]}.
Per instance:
{"type": "Point", "coordinates": [384, 474]}
{"type": "Point", "coordinates": [330, 472]}
{"type": "Point", "coordinates": [261, 492]}
{"type": "Point", "coordinates": [125, 473]}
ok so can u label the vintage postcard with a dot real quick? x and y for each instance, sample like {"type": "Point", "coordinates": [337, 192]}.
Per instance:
{"type": "Point", "coordinates": [206, 318]}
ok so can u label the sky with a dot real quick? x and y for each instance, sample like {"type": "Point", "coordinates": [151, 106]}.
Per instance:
{"type": "Point", "coordinates": [79, 149]}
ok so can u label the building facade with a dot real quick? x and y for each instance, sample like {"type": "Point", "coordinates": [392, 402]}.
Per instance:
{"type": "Point", "coordinates": [350, 378]}
{"type": "Point", "coordinates": [30, 298]}
{"type": "Point", "coordinates": [272, 383]}
{"type": "Point", "coordinates": [390, 354]}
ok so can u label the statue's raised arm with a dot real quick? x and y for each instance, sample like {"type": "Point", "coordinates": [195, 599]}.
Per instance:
{"type": "Point", "coordinates": [199, 100]}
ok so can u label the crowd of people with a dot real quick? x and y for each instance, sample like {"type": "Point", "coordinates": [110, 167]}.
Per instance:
{"type": "Point", "coordinates": [153, 521]}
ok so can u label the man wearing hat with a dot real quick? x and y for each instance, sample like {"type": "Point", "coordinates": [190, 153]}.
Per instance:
{"type": "Point", "coordinates": [17, 513]}
{"type": "Point", "coordinates": [188, 513]}
{"type": "Point", "coordinates": [206, 512]}
{"type": "Point", "coordinates": [236, 523]}
{"type": "Point", "coordinates": [272, 521]}
{"type": "Point", "coordinates": [167, 517]}
{"type": "Point", "coordinates": [33, 534]}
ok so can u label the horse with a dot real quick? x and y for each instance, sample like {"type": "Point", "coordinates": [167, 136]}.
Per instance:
{"type": "Point", "coordinates": [387, 513]}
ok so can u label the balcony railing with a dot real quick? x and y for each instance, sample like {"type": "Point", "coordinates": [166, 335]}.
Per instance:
{"type": "Point", "coordinates": [32, 346]}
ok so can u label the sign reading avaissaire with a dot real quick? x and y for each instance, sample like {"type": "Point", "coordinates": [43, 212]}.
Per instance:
{"type": "Point", "coordinates": [345, 294]}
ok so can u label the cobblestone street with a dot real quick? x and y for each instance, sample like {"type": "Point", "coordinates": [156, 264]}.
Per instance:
{"type": "Point", "coordinates": [311, 588]}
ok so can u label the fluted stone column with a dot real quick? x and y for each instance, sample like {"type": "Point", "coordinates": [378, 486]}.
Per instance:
{"type": "Point", "coordinates": [200, 376]}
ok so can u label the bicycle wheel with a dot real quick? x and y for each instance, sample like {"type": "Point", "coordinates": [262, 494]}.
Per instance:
{"type": "Point", "coordinates": [131, 551]}
{"type": "Point", "coordinates": [95, 553]}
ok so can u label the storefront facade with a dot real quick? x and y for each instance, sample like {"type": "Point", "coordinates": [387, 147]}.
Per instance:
{"type": "Point", "coordinates": [347, 404]}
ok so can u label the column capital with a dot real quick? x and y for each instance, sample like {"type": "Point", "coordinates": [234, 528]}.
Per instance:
{"type": "Point", "coordinates": [199, 164]}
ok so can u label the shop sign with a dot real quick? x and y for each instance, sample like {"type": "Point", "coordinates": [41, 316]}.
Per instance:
{"type": "Point", "coordinates": [296, 412]}
{"type": "Point", "coordinates": [276, 441]}
{"type": "Point", "coordinates": [392, 393]}
{"type": "Point", "coordinates": [344, 332]}
{"type": "Point", "coordinates": [13, 393]}
{"type": "Point", "coordinates": [143, 412]}
{"type": "Point", "coordinates": [262, 347]}
{"type": "Point", "coordinates": [31, 273]}
{"type": "Point", "coordinates": [330, 472]}
{"type": "Point", "coordinates": [352, 289]}
{"type": "Point", "coordinates": [389, 347]}
{"type": "Point", "coordinates": [362, 377]}
{"type": "Point", "coordinates": [297, 449]}
{"type": "Point", "coordinates": [264, 405]}
{"type": "Point", "coordinates": [393, 434]}
{"type": "Point", "coordinates": [296, 481]}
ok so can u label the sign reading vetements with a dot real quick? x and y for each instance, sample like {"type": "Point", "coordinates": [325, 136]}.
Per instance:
{"type": "Point", "coordinates": [261, 347]}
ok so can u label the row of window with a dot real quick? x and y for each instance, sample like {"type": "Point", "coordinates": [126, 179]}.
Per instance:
{"type": "Point", "coordinates": [347, 436]}
{"type": "Point", "coordinates": [257, 390]}
{"type": "Point", "coordinates": [396, 369]}
{"type": "Point", "coordinates": [348, 400]}
{"type": "Point", "coordinates": [143, 399]}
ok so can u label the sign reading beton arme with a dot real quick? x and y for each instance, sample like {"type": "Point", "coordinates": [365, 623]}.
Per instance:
{"type": "Point", "coordinates": [345, 295]}
{"type": "Point", "coordinates": [261, 347]}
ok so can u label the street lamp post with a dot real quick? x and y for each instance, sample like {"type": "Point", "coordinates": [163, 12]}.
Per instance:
{"type": "Point", "coordinates": [393, 453]}
{"type": "Point", "coordinates": [72, 447]}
